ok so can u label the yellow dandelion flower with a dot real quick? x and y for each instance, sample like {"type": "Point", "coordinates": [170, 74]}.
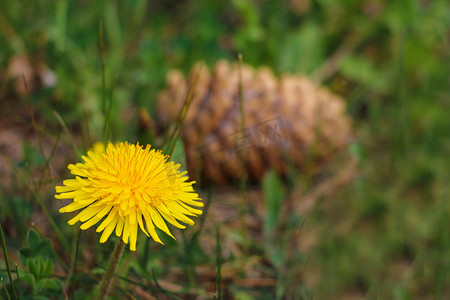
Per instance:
{"type": "Point", "coordinates": [128, 186]}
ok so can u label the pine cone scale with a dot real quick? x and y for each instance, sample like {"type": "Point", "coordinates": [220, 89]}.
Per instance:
{"type": "Point", "coordinates": [285, 120]}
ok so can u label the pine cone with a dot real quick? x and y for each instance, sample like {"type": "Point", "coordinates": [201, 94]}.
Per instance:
{"type": "Point", "coordinates": [287, 121]}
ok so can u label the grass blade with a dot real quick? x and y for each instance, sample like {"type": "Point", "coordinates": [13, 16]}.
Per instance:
{"type": "Point", "coordinates": [162, 289]}
{"type": "Point", "coordinates": [18, 282]}
{"type": "Point", "coordinates": [106, 101]}
{"type": "Point", "coordinates": [218, 283]}
{"type": "Point", "coordinates": [6, 290]}
{"type": "Point", "coordinates": [172, 135]}
{"type": "Point", "coordinates": [47, 161]}
{"type": "Point", "coordinates": [243, 209]}
{"type": "Point", "coordinates": [7, 265]}
{"type": "Point", "coordinates": [243, 130]}
{"type": "Point", "coordinates": [73, 267]}
{"type": "Point", "coordinates": [202, 218]}
{"type": "Point", "coordinates": [39, 200]}
{"type": "Point", "coordinates": [66, 129]}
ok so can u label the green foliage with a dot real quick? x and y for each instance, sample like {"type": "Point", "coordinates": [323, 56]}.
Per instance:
{"type": "Point", "coordinates": [17, 208]}
{"type": "Point", "coordinates": [37, 246]}
{"type": "Point", "coordinates": [303, 50]}
{"type": "Point", "coordinates": [274, 195]}
{"type": "Point", "coordinates": [39, 258]}
{"type": "Point", "coordinates": [38, 271]}
{"type": "Point", "coordinates": [384, 235]}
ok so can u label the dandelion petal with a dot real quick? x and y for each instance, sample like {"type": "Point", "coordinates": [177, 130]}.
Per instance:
{"type": "Point", "coordinates": [127, 187]}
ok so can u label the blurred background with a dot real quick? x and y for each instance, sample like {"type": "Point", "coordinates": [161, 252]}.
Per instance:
{"type": "Point", "coordinates": [376, 227]}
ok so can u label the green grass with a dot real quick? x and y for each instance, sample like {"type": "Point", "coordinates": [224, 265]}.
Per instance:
{"type": "Point", "coordinates": [384, 235]}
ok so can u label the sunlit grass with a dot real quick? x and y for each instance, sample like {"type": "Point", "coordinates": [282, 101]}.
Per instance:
{"type": "Point", "coordinates": [379, 231]}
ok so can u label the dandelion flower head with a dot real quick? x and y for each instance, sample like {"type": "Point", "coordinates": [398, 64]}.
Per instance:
{"type": "Point", "coordinates": [128, 187]}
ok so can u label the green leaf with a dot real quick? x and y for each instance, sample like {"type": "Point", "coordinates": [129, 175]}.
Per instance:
{"type": "Point", "coordinates": [357, 151]}
{"type": "Point", "coordinates": [302, 50]}
{"type": "Point", "coordinates": [28, 278]}
{"type": "Point", "coordinates": [242, 295]}
{"type": "Point", "coordinates": [33, 239]}
{"type": "Point", "coordinates": [178, 153]}
{"type": "Point", "coordinates": [32, 266]}
{"type": "Point", "coordinates": [40, 267]}
{"type": "Point", "coordinates": [49, 283]}
{"type": "Point", "coordinates": [399, 293]}
{"type": "Point", "coordinates": [274, 193]}
{"type": "Point", "coordinates": [37, 247]}
{"type": "Point", "coordinates": [48, 268]}
{"type": "Point", "coordinates": [364, 72]}
{"type": "Point", "coordinates": [31, 155]}
{"type": "Point", "coordinates": [37, 297]}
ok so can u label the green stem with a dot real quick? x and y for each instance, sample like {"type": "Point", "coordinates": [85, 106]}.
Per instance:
{"type": "Point", "coordinates": [73, 267]}
{"type": "Point", "coordinates": [107, 277]}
